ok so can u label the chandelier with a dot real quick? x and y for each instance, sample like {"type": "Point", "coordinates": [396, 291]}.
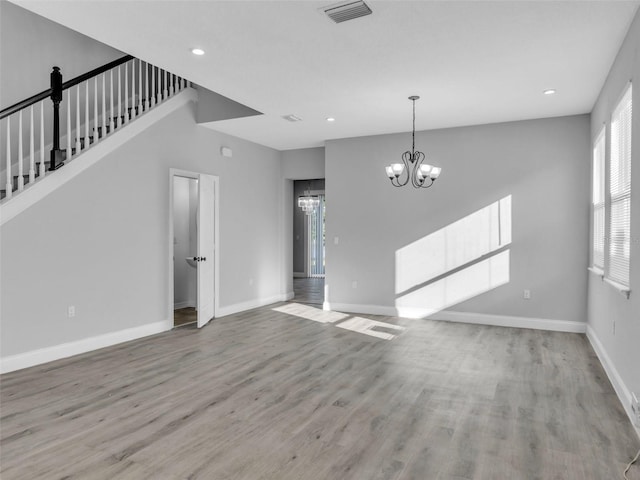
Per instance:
{"type": "Point", "coordinates": [308, 202]}
{"type": "Point", "coordinates": [422, 175]}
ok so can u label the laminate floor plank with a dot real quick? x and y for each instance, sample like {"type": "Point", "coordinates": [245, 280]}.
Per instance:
{"type": "Point", "coordinates": [266, 394]}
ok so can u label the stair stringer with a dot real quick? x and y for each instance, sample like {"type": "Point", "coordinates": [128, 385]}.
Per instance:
{"type": "Point", "coordinates": [38, 190]}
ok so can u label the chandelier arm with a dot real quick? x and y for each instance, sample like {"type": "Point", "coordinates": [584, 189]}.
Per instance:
{"type": "Point", "coordinates": [418, 159]}
{"type": "Point", "coordinates": [406, 159]}
{"type": "Point", "coordinates": [427, 185]}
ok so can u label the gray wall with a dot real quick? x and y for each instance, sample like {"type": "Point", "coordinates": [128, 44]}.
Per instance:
{"type": "Point", "coordinates": [303, 164]}
{"type": "Point", "coordinates": [607, 305]}
{"type": "Point", "coordinates": [30, 45]}
{"type": "Point", "coordinates": [101, 243]}
{"type": "Point", "coordinates": [542, 164]}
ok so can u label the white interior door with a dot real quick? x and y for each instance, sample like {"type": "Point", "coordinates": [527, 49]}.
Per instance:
{"type": "Point", "coordinates": [206, 248]}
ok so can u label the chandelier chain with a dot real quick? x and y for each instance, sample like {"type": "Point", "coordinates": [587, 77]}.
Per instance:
{"type": "Point", "coordinates": [413, 136]}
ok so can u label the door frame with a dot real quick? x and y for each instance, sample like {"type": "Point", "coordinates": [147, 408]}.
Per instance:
{"type": "Point", "coordinates": [176, 172]}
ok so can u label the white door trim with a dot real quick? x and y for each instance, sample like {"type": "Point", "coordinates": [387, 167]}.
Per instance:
{"type": "Point", "coordinates": [176, 172]}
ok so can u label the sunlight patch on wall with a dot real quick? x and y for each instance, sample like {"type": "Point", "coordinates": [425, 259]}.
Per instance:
{"type": "Point", "coordinates": [458, 262]}
{"type": "Point", "coordinates": [453, 246]}
{"type": "Point", "coordinates": [372, 328]}
{"type": "Point", "coordinates": [455, 288]}
{"type": "Point", "coordinates": [310, 313]}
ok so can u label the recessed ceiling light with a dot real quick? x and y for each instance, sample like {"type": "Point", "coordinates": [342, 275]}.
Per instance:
{"type": "Point", "coordinates": [331, 119]}
{"type": "Point", "coordinates": [549, 91]}
{"type": "Point", "coordinates": [197, 51]}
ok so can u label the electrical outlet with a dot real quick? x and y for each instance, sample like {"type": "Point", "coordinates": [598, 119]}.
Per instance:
{"type": "Point", "coordinates": [635, 407]}
{"type": "Point", "coordinates": [526, 294]}
{"type": "Point", "coordinates": [71, 311]}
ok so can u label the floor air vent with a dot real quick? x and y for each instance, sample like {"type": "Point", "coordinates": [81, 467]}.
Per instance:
{"type": "Point", "coordinates": [347, 11]}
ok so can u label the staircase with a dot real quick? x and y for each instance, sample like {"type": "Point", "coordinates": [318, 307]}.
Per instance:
{"type": "Point", "coordinates": [93, 106]}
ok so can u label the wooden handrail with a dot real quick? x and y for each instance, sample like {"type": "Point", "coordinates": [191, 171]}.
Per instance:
{"type": "Point", "coordinates": [96, 71]}
{"type": "Point", "coordinates": [70, 83]}
{"type": "Point", "coordinates": [24, 103]}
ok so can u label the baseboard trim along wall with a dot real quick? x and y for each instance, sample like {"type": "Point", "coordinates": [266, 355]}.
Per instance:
{"type": "Point", "coordinates": [464, 317]}
{"type": "Point", "coordinates": [624, 394]}
{"type": "Point", "coordinates": [255, 303]}
{"type": "Point", "coordinates": [299, 275]}
{"type": "Point", "coordinates": [511, 321]}
{"type": "Point", "coordinates": [64, 350]}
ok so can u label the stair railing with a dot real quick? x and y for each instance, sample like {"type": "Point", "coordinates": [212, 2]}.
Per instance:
{"type": "Point", "coordinates": [97, 103]}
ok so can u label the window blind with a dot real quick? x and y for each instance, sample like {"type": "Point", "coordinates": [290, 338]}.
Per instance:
{"type": "Point", "coordinates": [620, 192]}
{"type": "Point", "coordinates": [598, 202]}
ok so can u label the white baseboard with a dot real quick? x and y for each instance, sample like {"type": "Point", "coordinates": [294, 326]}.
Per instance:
{"type": "Point", "coordinates": [187, 304]}
{"type": "Point", "coordinates": [357, 308]}
{"type": "Point", "coordinates": [56, 352]}
{"type": "Point", "coordinates": [250, 304]}
{"type": "Point", "coordinates": [511, 321]}
{"type": "Point", "coordinates": [463, 317]}
{"type": "Point", "coordinates": [624, 394]}
{"type": "Point", "coordinates": [39, 189]}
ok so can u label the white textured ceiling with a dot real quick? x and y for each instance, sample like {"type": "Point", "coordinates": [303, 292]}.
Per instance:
{"type": "Point", "coordinates": [472, 62]}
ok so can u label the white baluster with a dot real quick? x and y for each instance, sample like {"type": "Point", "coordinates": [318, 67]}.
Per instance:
{"type": "Point", "coordinates": [153, 85]}
{"type": "Point", "coordinates": [69, 151]}
{"type": "Point", "coordinates": [77, 119]}
{"type": "Point", "coordinates": [139, 87]}
{"type": "Point", "coordinates": [126, 93]}
{"type": "Point", "coordinates": [112, 123]}
{"type": "Point", "coordinates": [95, 110]}
{"type": "Point", "coordinates": [119, 98]}
{"type": "Point", "coordinates": [87, 118]}
{"type": "Point", "coordinates": [9, 186]}
{"type": "Point", "coordinates": [32, 153]}
{"type": "Point", "coordinates": [146, 87]}
{"type": "Point", "coordinates": [20, 154]}
{"type": "Point", "coordinates": [133, 89]}
{"type": "Point", "coordinates": [165, 92]}
{"type": "Point", "coordinates": [42, 166]}
{"type": "Point", "coordinates": [104, 106]}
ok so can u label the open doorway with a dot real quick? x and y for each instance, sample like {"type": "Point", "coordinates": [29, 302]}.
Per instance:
{"type": "Point", "coordinates": [194, 254]}
{"type": "Point", "coordinates": [309, 215]}
{"type": "Point", "coordinates": [185, 247]}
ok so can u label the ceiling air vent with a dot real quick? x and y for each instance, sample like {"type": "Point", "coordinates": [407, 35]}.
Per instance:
{"type": "Point", "coordinates": [291, 118]}
{"type": "Point", "coordinates": [347, 11]}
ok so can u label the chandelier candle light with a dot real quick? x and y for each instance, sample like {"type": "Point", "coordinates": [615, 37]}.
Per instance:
{"type": "Point", "coordinates": [422, 175]}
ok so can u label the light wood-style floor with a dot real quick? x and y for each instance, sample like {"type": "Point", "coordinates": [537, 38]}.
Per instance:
{"type": "Point", "coordinates": [308, 290]}
{"type": "Point", "coordinates": [184, 316]}
{"type": "Point", "coordinates": [270, 395]}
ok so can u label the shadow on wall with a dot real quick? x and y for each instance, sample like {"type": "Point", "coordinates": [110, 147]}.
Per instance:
{"type": "Point", "coordinates": [460, 261]}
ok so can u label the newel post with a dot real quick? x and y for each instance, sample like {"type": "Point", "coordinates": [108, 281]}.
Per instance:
{"type": "Point", "coordinates": [57, 155]}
